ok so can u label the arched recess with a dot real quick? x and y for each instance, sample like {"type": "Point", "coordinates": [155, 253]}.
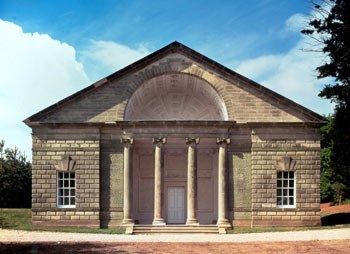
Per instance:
{"type": "Point", "coordinates": [175, 96]}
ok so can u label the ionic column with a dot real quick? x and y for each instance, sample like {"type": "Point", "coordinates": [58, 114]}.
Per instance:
{"type": "Point", "coordinates": [158, 182]}
{"type": "Point", "coordinates": [127, 142]}
{"type": "Point", "coordinates": [192, 182]}
{"type": "Point", "coordinates": [222, 182]}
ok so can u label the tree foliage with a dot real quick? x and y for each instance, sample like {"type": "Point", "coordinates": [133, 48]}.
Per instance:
{"type": "Point", "coordinates": [326, 168]}
{"type": "Point", "coordinates": [15, 178]}
{"type": "Point", "coordinates": [331, 28]}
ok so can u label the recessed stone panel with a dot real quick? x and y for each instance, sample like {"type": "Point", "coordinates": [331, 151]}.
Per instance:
{"type": "Point", "coordinates": [146, 198]}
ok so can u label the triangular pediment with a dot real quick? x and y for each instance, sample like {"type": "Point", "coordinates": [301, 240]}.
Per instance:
{"type": "Point", "coordinates": [226, 93]}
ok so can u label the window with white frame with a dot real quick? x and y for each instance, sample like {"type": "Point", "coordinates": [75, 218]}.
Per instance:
{"type": "Point", "coordinates": [66, 190]}
{"type": "Point", "coordinates": [286, 189]}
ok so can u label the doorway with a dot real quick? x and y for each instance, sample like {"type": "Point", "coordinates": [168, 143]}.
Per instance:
{"type": "Point", "coordinates": [176, 205]}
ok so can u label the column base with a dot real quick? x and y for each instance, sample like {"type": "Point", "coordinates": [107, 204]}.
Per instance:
{"type": "Point", "coordinates": [128, 222]}
{"type": "Point", "coordinates": [158, 222]}
{"type": "Point", "coordinates": [192, 222]}
{"type": "Point", "coordinates": [224, 223]}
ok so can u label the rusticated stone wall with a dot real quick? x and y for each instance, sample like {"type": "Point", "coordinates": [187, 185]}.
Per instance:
{"type": "Point", "coordinates": [270, 145]}
{"type": "Point", "coordinates": [50, 147]}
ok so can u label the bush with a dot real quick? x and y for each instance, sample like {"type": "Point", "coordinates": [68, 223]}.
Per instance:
{"type": "Point", "coordinates": [15, 178]}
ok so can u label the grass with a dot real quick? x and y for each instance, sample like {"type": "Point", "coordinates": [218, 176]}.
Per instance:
{"type": "Point", "coordinates": [20, 219]}
{"type": "Point", "coordinates": [14, 218]}
{"type": "Point", "coordinates": [76, 230]}
{"type": "Point", "coordinates": [346, 201]}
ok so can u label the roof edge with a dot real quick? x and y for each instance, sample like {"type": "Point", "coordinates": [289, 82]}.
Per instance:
{"type": "Point", "coordinates": [130, 68]}
{"type": "Point", "coordinates": [230, 124]}
{"type": "Point", "coordinates": [177, 47]}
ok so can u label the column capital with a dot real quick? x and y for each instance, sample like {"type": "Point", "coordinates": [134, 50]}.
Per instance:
{"type": "Point", "coordinates": [226, 141]}
{"type": "Point", "coordinates": [190, 141]}
{"type": "Point", "coordinates": [159, 140]}
{"type": "Point", "coordinates": [127, 140]}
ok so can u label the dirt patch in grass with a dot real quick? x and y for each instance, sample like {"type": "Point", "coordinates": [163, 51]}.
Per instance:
{"type": "Point", "coordinates": [339, 246]}
{"type": "Point", "coordinates": [335, 215]}
{"type": "Point", "coordinates": [327, 208]}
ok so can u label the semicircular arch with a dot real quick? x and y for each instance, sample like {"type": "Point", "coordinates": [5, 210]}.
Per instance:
{"type": "Point", "coordinates": [175, 96]}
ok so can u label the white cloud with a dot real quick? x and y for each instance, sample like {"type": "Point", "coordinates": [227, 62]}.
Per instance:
{"type": "Point", "coordinates": [35, 72]}
{"type": "Point", "coordinates": [296, 22]}
{"type": "Point", "coordinates": [257, 68]}
{"type": "Point", "coordinates": [291, 74]}
{"type": "Point", "coordinates": [102, 58]}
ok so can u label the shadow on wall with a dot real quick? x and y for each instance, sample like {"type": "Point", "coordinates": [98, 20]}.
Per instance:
{"type": "Point", "coordinates": [336, 219]}
{"type": "Point", "coordinates": [105, 190]}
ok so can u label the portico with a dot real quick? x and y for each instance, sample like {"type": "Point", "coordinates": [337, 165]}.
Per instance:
{"type": "Point", "coordinates": [177, 178]}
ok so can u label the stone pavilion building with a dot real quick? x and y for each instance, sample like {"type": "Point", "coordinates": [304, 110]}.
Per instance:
{"type": "Point", "coordinates": [175, 141]}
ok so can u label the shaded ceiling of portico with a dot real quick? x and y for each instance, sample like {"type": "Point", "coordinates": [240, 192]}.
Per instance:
{"type": "Point", "coordinates": [175, 96]}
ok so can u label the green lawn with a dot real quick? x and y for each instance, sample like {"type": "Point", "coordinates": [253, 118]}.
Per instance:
{"type": "Point", "coordinates": [21, 219]}
{"type": "Point", "coordinates": [14, 218]}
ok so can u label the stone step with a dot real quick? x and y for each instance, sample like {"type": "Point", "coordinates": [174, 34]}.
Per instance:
{"type": "Point", "coordinates": [179, 229]}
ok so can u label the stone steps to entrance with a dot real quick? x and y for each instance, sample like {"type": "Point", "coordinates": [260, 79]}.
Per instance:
{"type": "Point", "coordinates": [171, 229]}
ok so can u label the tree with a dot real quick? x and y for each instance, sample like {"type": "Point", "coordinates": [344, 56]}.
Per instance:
{"type": "Point", "coordinates": [326, 168]}
{"type": "Point", "coordinates": [331, 28]}
{"type": "Point", "coordinates": [15, 178]}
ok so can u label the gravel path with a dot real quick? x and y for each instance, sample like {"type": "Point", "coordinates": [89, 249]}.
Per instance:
{"type": "Point", "coordinates": [310, 235]}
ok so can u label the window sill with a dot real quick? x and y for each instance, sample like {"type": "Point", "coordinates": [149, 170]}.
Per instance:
{"type": "Point", "coordinates": [286, 206]}
{"type": "Point", "coordinates": [66, 206]}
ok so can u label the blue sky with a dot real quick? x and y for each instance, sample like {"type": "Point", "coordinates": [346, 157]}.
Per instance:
{"type": "Point", "coordinates": [50, 49]}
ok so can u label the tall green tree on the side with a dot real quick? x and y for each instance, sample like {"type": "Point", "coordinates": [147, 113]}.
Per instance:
{"type": "Point", "coordinates": [15, 178]}
{"type": "Point", "coordinates": [326, 167]}
{"type": "Point", "coordinates": [331, 28]}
